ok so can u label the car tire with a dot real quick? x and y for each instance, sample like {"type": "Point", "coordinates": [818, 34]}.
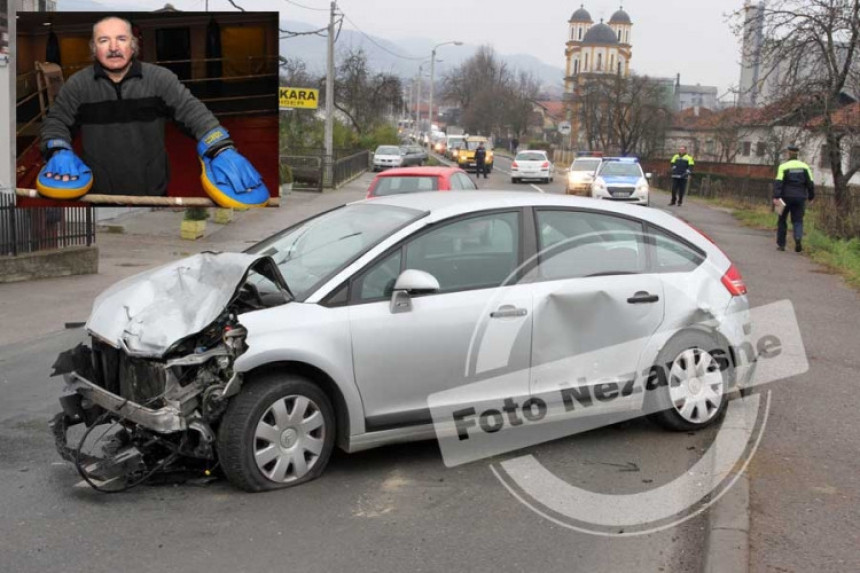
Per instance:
{"type": "Point", "coordinates": [688, 402]}
{"type": "Point", "coordinates": [514, 180]}
{"type": "Point", "coordinates": [264, 409]}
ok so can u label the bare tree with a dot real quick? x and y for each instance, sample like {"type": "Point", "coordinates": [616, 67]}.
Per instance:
{"type": "Point", "coordinates": [519, 113]}
{"type": "Point", "coordinates": [480, 86]}
{"type": "Point", "coordinates": [298, 128]}
{"type": "Point", "coordinates": [809, 54]}
{"type": "Point", "coordinates": [362, 95]}
{"type": "Point", "coordinates": [624, 115]}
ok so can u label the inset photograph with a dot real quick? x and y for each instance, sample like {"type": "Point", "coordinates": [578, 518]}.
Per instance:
{"type": "Point", "coordinates": [147, 108]}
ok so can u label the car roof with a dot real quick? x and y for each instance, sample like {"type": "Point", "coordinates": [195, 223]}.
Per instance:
{"type": "Point", "coordinates": [416, 171]}
{"type": "Point", "coordinates": [449, 204]}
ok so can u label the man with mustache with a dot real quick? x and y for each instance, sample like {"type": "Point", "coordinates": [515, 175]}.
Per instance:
{"type": "Point", "coordinates": [120, 106]}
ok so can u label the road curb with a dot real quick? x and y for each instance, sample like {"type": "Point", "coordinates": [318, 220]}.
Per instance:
{"type": "Point", "coordinates": [727, 545]}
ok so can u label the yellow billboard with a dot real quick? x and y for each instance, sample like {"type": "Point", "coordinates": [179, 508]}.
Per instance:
{"type": "Point", "coordinates": [305, 98]}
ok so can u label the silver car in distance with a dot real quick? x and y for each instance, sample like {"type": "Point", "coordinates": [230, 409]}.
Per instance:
{"type": "Point", "coordinates": [335, 331]}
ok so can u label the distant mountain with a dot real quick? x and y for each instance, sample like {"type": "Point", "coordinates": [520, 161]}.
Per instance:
{"type": "Point", "coordinates": [402, 57]}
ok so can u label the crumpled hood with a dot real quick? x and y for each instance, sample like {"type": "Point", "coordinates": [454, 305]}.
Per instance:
{"type": "Point", "coordinates": [149, 312]}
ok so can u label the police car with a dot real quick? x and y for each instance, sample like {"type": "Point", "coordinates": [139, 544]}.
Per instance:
{"type": "Point", "coordinates": [621, 179]}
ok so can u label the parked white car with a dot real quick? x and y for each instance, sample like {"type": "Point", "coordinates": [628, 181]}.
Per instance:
{"type": "Point", "coordinates": [532, 164]}
{"type": "Point", "coordinates": [387, 156]}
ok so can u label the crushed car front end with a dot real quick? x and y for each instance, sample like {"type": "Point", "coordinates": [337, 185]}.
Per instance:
{"type": "Point", "coordinates": [156, 393]}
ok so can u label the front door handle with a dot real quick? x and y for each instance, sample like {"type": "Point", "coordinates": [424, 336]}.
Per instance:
{"type": "Point", "coordinates": [643, 297]}
{"type": "Point", "coordinates": [508, 311]}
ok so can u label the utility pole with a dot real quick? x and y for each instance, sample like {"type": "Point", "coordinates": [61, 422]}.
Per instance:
{"type": "Point", "coordinates": [328, 160]}
{"type": "Point", "coordinates": [418, 102]}
{"type": "Point", "coordinates": [433, 74]}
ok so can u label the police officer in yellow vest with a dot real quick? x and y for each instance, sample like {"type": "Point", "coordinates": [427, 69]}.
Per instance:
{"type": "Point", "coordinates": [793, 186]}
{"type": "Point", "coordinates": [682, 167]}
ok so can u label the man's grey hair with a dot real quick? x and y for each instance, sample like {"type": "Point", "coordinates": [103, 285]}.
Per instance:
{"type": "Point", "coordinates": [134, 45]}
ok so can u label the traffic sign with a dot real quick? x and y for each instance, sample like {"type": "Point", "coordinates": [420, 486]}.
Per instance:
{"type": "Point", "coordinates": [564, 128]}
{"type": "Point", "coordinates": [305, 98]}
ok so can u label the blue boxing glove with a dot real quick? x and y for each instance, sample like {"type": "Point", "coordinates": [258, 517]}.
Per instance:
{"type": "Point", "coordinates": [63, 163]}
{"type": "Point", "coordinates": [227, 177]}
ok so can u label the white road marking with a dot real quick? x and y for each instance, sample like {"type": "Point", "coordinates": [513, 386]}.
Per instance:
{"type": "Point", "coordinates": [533, 186]}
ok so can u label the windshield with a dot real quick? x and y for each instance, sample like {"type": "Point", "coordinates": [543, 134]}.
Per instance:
{"type": "Point", "coordinates": [530, 156]}
{"type": "Point", "coordinates": [585, 165]}
{"type": "Point", "coordinates": [619, 169]}
{"type": "Point", "coordinates": [472, 145]}
{"type": "Point", "coordinates": [395, 185]}
{"type": "Point", "coordinates": [314, 250]}
{"type": "Point", "coordinates": [455, 141]}
{"type": "Point", "coordinates": [387, 150]}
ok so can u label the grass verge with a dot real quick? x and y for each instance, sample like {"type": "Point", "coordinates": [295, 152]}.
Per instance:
{"type": "Point", "coordinates": [840, 255]}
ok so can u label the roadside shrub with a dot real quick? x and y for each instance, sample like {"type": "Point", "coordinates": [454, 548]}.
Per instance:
{"type": "Point", "coordinates": [381, 135]}
{"type": "Point", "coordinates": [839, 223]}
{"type": "Point", "coordinates": [537, 144]}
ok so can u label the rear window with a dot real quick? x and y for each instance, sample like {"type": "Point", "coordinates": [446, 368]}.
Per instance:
{"type": "Point", "coordinates": [531, 156]}
{"type": "Point", "coordinates": [585, 165]}
{"type": "Point", "coordinates": [388, 150]}
{"type": "Point", "coordinates": [671, 255]}
{"type": "Point", "coordinates": [396, 185]}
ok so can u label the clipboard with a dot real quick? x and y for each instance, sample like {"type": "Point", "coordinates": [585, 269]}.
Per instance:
{"type": "Point", "coordinates": [779, 207]}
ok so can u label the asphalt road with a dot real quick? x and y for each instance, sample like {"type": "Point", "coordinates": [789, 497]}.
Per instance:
{"type": "Point", "coordinates": [399, 507]}
{"type": "Point", "coordinates": [389, 509]}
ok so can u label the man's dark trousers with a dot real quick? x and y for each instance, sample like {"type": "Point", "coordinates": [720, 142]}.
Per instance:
{"type": "Point", "coordinates": [679, 187]}
{"type": "Point", "coordinates": [795, 206]}
{"type": "Point", "coordinates": [480, 167]}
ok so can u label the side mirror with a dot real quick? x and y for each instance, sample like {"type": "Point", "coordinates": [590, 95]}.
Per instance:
{"type": "Point", "coordinates": [411, 281]}
{"type": "Point", "coordinates": [647, 176]}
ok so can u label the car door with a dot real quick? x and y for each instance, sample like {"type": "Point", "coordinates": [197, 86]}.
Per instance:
{"type": "Point", "coordinates": [596, 306]}
{"type": "Point", "coordinates": [400, 358]}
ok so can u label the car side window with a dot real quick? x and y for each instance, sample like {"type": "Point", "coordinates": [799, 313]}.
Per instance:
{"type": "Point", "coordinates": [576, 244]}
{"type": "Point", "coordinates": [378, 282]}
{"type": "Point", "coordinates": [465, 182]}
{"type": "Point", "coordinates": [671, 255]}
{"type": "Point", "coordinates": [478, 252]}
{"type": "Point", "coordinates": [456, 184]}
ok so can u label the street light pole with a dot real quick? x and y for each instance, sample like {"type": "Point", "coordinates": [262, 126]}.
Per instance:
{"type": "Point", "coordinates": [433, 75]}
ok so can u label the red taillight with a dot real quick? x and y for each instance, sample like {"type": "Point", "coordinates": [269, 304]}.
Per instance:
{"type": "Point", "coordinates": [514, 165]}
{"type": "Point", "coordinates": [734, 282]}
{"type": "Point", "coordinates": [545, 165]}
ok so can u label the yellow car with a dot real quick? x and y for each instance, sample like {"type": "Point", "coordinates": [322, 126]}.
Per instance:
{"type": "Point", "coordinates": [465, 157]}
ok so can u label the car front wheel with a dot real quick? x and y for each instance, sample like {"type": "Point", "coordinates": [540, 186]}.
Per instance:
{"type": "Point", "coordinates": [277, 432]}
{"type": "Point", "coordinates": [696, 375]}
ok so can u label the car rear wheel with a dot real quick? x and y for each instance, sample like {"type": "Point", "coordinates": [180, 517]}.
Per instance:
{"type": "Point", "coordinates": [514, 180]}
{"type": "Point", "coordinates": [696, 375]}
{"type": "Point", "coordinates": [278, 432]}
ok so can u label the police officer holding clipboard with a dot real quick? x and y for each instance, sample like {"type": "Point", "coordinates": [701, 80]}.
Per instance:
{"type": "Point", "coordinates": [791, 189]}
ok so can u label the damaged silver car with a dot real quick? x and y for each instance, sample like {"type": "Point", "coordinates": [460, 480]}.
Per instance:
{"type": "Point", "coordinates": [336, 330]}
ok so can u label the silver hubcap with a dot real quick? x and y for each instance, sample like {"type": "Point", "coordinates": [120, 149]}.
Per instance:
{"type": "Point", "coordinates": [696, 386]}
{"type": "Point", "coordinates": [289, 438]}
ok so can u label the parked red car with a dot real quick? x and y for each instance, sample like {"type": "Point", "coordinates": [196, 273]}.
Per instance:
{"type": "Point", "coordinates": [420, 179]}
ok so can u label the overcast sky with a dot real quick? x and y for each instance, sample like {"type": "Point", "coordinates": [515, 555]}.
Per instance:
{"type": "Point", "coordinates": [690, 37]}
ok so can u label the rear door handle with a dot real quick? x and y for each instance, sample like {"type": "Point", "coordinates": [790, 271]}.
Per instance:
{"type": "Point", "coordinates": [643, 297]}
{"type": "Point", "coordinates": [508, 311]}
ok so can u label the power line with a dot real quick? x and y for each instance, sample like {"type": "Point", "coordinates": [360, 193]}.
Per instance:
{"type": "Point", "coordinates": [378, 45]}
{"type": "Point", "coordinates": [236, 6]}
{"type": "Point", "coordinates": [306, 7]}
{"type": "Point", "coordinates": [289, 34]}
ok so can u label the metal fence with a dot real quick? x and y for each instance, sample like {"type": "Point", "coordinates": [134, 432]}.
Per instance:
{"type": "Point", "coordinates": [308, 167]}
{"type": "Point", "coordinates": [348, 167]}
{"type": "Point", "coordinates": [32, 229]}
